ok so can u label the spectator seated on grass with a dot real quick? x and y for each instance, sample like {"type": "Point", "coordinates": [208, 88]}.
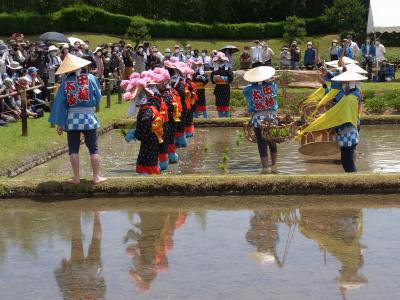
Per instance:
{"type": "Point", "coordinates": [386, 72]}
{"type": "Point", "coordinates": [10, 109]}
{"type": "Point", "coordinates": [15, 71]}
{"type": "Point", "coordinates": [36, 100]}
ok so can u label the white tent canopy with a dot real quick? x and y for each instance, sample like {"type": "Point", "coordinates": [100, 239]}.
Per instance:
{"type": "Point", "coordinates": [383, 16]}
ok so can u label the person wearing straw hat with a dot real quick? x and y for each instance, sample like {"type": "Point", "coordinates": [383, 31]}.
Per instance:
{"type": "Point", "coordinates": [72, 111]}
{"type": "Point", "coordinates": [284, 58]}
{"type": "Point", "coordinates": [348, 51]}
{"type": "Point", "coordinates": [175, 109]}
{"type": "Point", "coordinates": [16, 70]}
{"type": "Point", "coordinates": [99, 59]}
{"type": "Point", "coordinates": [157, 84]}
{"type": "Point", "coordinates": [191, 98]}
{"type": "Point", "coordinates": [170, 116]}
{"type": "Point", "coordinates": [344, 116]}
{"type": "Point", "coordinates": [141, 90]}
{"type": "Point", "coordinates": [309, 56]}
{"type": "Point", "coordinates": [261, 95]}
{"type": "Point", "coordinates": [200, 78]}
{"type": "Point", "coordinates": [53, 61]}
{"type": "Point", "coordinates": [334, 50]}
{"type": "Point", "coordinates": [295, 54]}
{"type": "Point", "coordinates": [222, 76]}
{"type": "Point", "coordinates": [178, 83]}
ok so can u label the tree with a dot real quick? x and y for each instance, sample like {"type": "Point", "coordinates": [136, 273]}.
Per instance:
{"type": "Point", "coordinates": [294, 29]}
{"type": "Point", "coordinates": [137, 31]}
{"type": "Point", "coordinates": [348, 16]}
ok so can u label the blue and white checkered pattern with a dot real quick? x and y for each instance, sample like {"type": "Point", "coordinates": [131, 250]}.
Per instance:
{"type": "Point", "coordinates": [82, 121]}
{"type": "Point", "coordinates": [262, 116]}
{"type": "Point", "coordinates": [347, 137]}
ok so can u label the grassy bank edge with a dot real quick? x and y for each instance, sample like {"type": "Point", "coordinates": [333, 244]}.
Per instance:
{"type": "Point", "coordinates": [200, 185]}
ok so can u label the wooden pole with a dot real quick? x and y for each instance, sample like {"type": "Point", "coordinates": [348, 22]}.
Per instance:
{"type": "Point", "coordinates": [119, 94]}
{"type": "Point", "coordinates": [108, 91]}
{"type": "Point", "coordinates": [24, 115]}
{"type": "Point", "coordinates": [52, 91]}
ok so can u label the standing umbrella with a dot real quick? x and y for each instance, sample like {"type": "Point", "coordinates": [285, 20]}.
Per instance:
{"type": "Point", "coordinates": [73, 40]}
{"type": "Point", "coordinates": [53, 37]}
{"type": "Point", "coordinates": [232, 48]}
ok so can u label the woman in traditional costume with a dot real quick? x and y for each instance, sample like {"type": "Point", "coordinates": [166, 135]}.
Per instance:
{"type": "Point", "coordinates": [178, 83]}
{"type": "Point", "coordinates": [191, 100]}
{"type": "Point", "coordinates": [200, 78]}
{"type": "Point", "coordinates": [173, 101]}
{"type": "Point", "coordinates": [222, 76]}
{"type": "Point", "coordinates": [72, 111]}
{"type": "Point", "coordinates": [261, 96]}
{"type": "Point", "coordinates": [344, 116]}
{"type": "Point", "coordinates": [142, 91]}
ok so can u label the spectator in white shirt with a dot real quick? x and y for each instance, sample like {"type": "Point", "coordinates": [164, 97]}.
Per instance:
{"type": "Point", "coordinates": [353, 45]}
{"type": "Point", "coordinates": [206, 60]}
{"type": "Point", "coordinates": [380, 52]}
{"type": "Point", "coordinates": [261, 54]}
{"type": "Point", "coordinates": [256, 54]}
{"type": "Point", "coordinates": [267, 54]}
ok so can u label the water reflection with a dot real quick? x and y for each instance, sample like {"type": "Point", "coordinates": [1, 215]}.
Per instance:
{"type": "Point", "coordinates": [81, 277]}
{"type": "Point", "coordinates": [149, 241]}
{"type": "Point", "coordinates": [338, 232]}
{"type": "Point", "coordinates": [264, 235]}
{"type": "Point", "coordinates": [135, 251]}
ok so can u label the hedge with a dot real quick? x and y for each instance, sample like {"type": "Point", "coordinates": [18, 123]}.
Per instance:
{"type": "Point", "coordinates": [26, 22]}
{"type": "Point", "coordinates": [92, 19]}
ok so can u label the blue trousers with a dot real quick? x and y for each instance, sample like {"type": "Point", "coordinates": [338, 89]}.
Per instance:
{"type": "Point", "coordinates": [74, 141]}
{"type": "Point", "coordinates": [347, 158]}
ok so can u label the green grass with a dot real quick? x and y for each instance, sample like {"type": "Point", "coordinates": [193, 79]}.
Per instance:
{"type": "Point", "coordinates": [16, 149]}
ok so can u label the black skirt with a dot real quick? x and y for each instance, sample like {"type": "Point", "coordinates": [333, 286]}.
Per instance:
{"type": "Point", "coordinates": [222, 94]}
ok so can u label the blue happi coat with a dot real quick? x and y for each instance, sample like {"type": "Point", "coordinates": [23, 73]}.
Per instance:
{"type": "Point", "coordinates": [262, 101]}
{"type": "Point", "coordinates": [74, 102]}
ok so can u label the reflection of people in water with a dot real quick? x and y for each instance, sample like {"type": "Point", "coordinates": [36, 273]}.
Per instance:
{"type": "Point", "coordinates": [80, 277]}
{"type": "Point", "coordinates": [153, 240]}
{"type": "Point", "coordinates": [263, 234]}
{"type": "Point", "coordinates": [338, 232]}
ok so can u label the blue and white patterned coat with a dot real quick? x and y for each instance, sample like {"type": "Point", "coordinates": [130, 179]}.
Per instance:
{"type": "Point", "coordinates": [74, 102]}
{"type": "Point", "coordinates": [347, 135]}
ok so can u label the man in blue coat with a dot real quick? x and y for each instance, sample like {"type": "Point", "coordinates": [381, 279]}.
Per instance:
{"type": "Point", "coordinates": [368, 53]}
{"type": "Point", "coordinates": [309, 57]}
{"type": "Point", "coordinates": [72, 111]}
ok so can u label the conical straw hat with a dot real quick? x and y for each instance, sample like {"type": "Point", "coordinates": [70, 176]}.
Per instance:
{"type": "Point", "coordinates": [72, 63]}
{"type": "Point", "coordinates": [346, 60]}
{"type": "Point", "coordinates": [349, 76]}
{"type": "Point", "coordinates": [259, 74]}
{"type": "Point", "coordinates": [356, 69]}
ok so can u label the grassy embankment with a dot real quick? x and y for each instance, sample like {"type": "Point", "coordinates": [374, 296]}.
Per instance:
{"type": "Point", "coordinates": [192, 185]}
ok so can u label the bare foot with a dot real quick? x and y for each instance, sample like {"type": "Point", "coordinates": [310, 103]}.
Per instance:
{"type": "Point", "coordinates": [274, 169]}
{"type": "Point", "coordinates": [264, 171]}
{"type": "Point", "coordinates": [99, 179]}
{"type": "Point", "coordinates": [74, 180]}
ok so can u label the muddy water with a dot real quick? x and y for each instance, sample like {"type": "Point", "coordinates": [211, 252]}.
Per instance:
{"type": "Point", "coordinates": [379, 151]}
{"type": "Point", "coordinates": [201, 249]}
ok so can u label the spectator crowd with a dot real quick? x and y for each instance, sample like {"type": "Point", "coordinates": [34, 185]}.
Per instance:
{"type": "Point", "coordinates": [33, 64]}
